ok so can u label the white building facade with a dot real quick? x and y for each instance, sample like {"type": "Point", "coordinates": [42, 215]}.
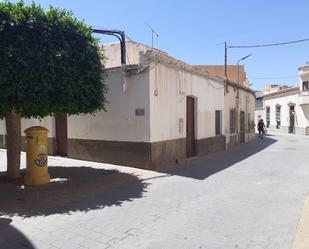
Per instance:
{"type": "Point", "coordinates": [287, 110]}
{"type": "Point", "coordinates": [160, 111]}
{"type": "Point", "coordinates": [239, 104]}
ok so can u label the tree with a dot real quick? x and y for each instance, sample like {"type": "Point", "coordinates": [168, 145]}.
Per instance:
{"type": "Point", "coordinates": [50, 65]}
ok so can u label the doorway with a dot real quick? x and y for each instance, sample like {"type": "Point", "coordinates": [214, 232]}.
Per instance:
{"type": "Point", "coordinates": [190, 132]}
{"type": "Point", "coordinates": [242, 127]}
{"type": "Point", "coordinates": [292, 120]}
{"type": "Point", "coordinates": [61, 135]}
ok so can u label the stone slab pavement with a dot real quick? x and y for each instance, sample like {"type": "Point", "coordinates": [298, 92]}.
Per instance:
{"type": "Point", "coordinates": [248, 197]}
{"type": "Point", "coordinates": [301, 240]}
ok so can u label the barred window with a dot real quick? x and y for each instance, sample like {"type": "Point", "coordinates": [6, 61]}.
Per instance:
{"type": "Point", "coordinates": [232, 120]}
{"type": "Point", "coordinates": [305, 85]}
{"type": "Point", "coordinates": [278, 112]}
{"type": "Point", "coordinates": [278, 116]}
{"type": "Point", "coordinates": [268, 114]}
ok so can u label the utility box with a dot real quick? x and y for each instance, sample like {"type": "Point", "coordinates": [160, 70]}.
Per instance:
{"type": "Point", "coordinates": [37, 156]}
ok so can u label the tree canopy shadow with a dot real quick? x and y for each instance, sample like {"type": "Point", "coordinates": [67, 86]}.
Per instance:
{"type": "Point", "coordinates": [201, 168]}
{"type": "Point", "coordinates": [10, 237]}
{"type": "Point", "coordinates": [78, 189]}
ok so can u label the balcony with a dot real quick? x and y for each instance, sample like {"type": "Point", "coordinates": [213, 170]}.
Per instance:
{"type": "Point", "coordinates": [304, 99]}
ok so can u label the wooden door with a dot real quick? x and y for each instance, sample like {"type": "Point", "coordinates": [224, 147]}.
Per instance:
{"type": "Point", "coordinates": [190, 127]}
{"type": "Point", "coordinates": [61, 135]}
{"type": "Point", "coordinates": [242, 127]}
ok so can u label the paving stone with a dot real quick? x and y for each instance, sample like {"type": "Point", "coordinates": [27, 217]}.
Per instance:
{"type": "Point", "coordinates": [248, 197]}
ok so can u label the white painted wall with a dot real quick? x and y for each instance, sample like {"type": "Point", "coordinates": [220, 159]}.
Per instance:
{"type": "Point", "coordinates": [246, 103]}
{"type": "Point", "coordinates": [303, 73]}
{"type": "Point", "coordinates": [119, 123]}
{"type": "Point", "coordinates": [302, 112]}
{"type": "Point", "coordinates": [134, 53]}
{"type": "Point", "coordinates": [47, 122]}
{"type": "Point", "coordinates": [161, 91]}
{"type": "Point", "coordinates": [259, 114]}
{"type": "Point", "coordinates": [229, 103]}
{"type": "Point", "coordinates": [2, 127]}
{"type": "Point", "coordinates": [172, 85]}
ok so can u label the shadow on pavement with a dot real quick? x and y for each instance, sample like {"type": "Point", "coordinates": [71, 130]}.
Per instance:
{"type": "Point", "coordinates": [86, 189]}
{"type": "Point", "coordinates": [204, 167]}
{"type": "Point", "coordinates": [10, 237]}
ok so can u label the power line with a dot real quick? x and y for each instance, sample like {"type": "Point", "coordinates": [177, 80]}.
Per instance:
{"type": "Point", "coordinates": [226, 47]}
{"type": "Point", "coordinates": [273, 78]}
{"type": "Point", "coordinates": [129, 38]}
{"type": "Point", "coordinates": [269, 45]}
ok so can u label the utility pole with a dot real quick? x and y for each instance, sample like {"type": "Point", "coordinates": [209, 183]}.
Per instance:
{"type": "Point", "coordinates": [225, 59]}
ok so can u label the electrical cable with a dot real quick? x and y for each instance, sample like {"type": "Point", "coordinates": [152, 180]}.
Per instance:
{"type": "Point", "coordinates": [273, 78]}
{"type": "Point", "coordinates": [269, 45]}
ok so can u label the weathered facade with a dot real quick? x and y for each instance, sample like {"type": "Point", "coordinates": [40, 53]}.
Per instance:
{"type": "Point", "coordinates": [151, 107]}
{"type": "Point", "coordinates": [239, 114]}
{"type": "Point", "coordinates": [287, 110]}
{"type": "Point", "coordinates": [235, 73]}
{"type": "Point", "coordinates": [160, 112]}
{"type": "Point", "coordinates": [238, 103]}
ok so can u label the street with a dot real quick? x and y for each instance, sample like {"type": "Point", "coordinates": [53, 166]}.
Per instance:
{"type": "Point", "coordinates": [248, 197]}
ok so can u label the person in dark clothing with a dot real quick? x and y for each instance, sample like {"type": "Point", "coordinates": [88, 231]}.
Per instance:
{"type": "Point", "coordinates": [261, 128]}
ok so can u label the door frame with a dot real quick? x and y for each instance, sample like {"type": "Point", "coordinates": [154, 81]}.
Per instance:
{"type": "Point", "coordinates": [61, 122]}
{"type": "Point", "coordinates": [193, 144]}
{"type": "Point", "coordinates": [242, 124]}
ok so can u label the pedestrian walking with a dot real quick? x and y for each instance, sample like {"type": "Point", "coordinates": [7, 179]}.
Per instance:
{"type": "Point", "coordinates": [261, 128]}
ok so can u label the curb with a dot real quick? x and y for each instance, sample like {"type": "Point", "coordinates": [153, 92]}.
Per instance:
{"type": "Point", "coordinates": [301, 239]}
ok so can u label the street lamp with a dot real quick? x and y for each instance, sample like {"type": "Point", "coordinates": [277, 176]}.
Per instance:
{"type": "Point", "coordinates": [238, 65]}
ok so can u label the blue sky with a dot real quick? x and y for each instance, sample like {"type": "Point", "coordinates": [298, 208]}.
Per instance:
{"type": "Point", "coordinates": [195, 31]}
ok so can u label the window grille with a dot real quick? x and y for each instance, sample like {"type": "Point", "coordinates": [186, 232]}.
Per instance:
{"type": "Point", "coordinates": [278, 116]}
{"type": "Point", "coordinates": [305, 85]}
{"type": "Point", "coordinates": [218, 123]}
{"type": "Point", "coordinates": [232, 120]}
{"type": "Point", "coordinates": [267, 116]}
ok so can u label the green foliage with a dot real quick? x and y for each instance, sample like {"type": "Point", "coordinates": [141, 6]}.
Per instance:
{"type": "Point", "coordinates": [49, 63]}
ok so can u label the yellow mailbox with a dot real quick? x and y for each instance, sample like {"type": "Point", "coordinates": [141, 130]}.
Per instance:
{"type": "Point", "coordinates": [37, 155]}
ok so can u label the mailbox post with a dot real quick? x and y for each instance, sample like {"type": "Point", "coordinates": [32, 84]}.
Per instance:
{"type": "Point", "coordinates": [37, 156]}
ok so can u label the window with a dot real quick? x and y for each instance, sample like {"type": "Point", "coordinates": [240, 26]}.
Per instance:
{"type": "Point", "coordinates": [278, 116]}
{"type": "Point", "coordinates": [232, 120]}
{"type": "Point", "coordinates": [305, 85]}
{"type": "Point", "coordinates": [249, 122]}
{"type": "Point", "coordinates": [218, 123]}
{"type": "Point", "coordinates": [259, 103]}
{"type": "Point", "coordinates": [267, 116]}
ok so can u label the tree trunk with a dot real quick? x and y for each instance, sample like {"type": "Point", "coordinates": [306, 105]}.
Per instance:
{"type": "Point", "coordinates": [13, 143]}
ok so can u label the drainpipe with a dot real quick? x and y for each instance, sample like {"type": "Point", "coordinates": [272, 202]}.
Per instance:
{"type": "Point", "coordinates": [122, 38]}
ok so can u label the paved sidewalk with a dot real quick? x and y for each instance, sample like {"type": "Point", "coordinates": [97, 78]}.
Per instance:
{"type": "Point", "coordinates": [301, 240]}
{"type": "Point", "coordinates": [249, 197]}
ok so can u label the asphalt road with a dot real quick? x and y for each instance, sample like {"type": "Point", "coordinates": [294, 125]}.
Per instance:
{"type": "Point", "coordinates": [249, 197]}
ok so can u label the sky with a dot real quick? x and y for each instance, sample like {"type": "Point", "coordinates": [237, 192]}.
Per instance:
{"type": "Point", "coordinates": [195, 31]}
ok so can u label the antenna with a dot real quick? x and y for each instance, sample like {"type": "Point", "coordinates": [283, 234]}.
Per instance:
{"type": "Point", "coordinates": [153, 32]}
